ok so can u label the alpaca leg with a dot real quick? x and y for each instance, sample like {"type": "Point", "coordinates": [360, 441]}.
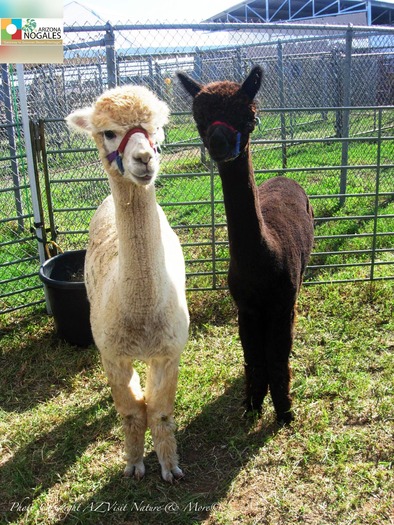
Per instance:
{"type": "Point", "coordinates": [256, 386]}
{"type": "Point", "coordinates": [250, 332]}
{"type": "Point", "coordinates": [161, 383]}
{"type": "Point", "coordinates": [130, 404]}
{"type": "Point", "coordinates": [278, 354]}
{"type": "Point", "coordinates": [280, 391]}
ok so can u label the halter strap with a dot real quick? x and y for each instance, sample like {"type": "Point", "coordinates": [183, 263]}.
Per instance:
{"type": "Point", "coordinates": [237, 148]}
{"type": "Point", "coordinates": [116, 155]}
{"type": "Point", "coordinates": [225, 124]}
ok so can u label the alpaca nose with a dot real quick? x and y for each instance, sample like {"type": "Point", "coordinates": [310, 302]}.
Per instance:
{"type": "Point", "coordinates": [218, 143]}
{"type": "Point", "coordinates": [143, 156]}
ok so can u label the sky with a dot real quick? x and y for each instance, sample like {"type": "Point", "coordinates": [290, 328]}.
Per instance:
{"type": "Point", "coordinates": [156, 10]}
{"type": "Point", "coordinates": [79, 12]}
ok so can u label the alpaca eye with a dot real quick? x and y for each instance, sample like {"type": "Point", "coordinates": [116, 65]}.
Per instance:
{"type": "Point", "coordinates": [109, 134]}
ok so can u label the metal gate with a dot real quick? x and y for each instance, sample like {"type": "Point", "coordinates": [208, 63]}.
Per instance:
{"type": "Point", "coordinates": [326, 119]}
{"type": "Point", "coordinates": [353, 200]}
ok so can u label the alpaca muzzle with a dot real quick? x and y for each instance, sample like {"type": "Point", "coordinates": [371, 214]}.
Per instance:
{"type": "Point", "coordinates": [219, 147]}
{"type": "Point", "coordinates": [118, 154]}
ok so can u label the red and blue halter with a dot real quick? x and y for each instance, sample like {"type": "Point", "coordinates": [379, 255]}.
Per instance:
{"type": "Point", "coordinates": [117, 154]}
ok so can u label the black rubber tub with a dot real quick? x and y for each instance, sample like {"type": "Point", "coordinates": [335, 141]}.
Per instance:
{"type": "Point", "coordinates": [63, 278]}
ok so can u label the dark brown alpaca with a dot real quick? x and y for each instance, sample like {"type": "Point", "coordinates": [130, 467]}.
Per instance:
{"type": "Point", "coordinates": [270, 231]}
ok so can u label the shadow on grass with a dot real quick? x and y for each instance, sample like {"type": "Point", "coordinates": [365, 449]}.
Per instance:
{"type": "Point", "coordinates": [213, 448]}
{"type": "Point", "coordinates": [41, 463]}
{"type": "Point", "coordinates": [35, 365]}
{"type": "Point", "coordinates": [213, 445]}
{"type": "Point", "coordinates": [213, 308]}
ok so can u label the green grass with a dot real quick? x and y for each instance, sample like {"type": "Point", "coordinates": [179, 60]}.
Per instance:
{"type": "Point", "coordinates": [62, 441]}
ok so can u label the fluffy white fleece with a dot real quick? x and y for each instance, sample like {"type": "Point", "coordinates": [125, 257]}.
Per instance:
{"type": "Point", "coordinates": [135, 277]}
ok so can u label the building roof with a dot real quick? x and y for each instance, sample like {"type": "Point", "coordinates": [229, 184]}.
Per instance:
{"type": "Point", "coordinates": [256, 11]}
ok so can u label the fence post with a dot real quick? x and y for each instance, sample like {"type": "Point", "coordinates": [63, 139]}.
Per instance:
{"type": "Point", "coordinates": [109, 40]}
{"type": "Point", "coordinates": [347, 74]}
{"type": "Point", "coordinates": [197, 75]}
{"type": "Point", "coordinates": [377, 190]}
{"type": "Point", "coordinates": [198, 66]}
{"type": "Point", "coordinates": [337, 94]}
{"type": "Point", "coordinates": [158, 82]}
{"type": "Point", "coordinates": [282, 104]}
{"type": "Point", "coordinates": [238, 66]}
{"type": "Point", "coordinates": [12, 146]}
{"type": "Point", "coordinates": [213, 237]}
{"type": "Point", "coordinates": [38, 219]}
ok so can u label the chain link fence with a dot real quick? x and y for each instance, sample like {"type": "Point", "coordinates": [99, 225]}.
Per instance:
{"type": "Point", "coordinates": [326, 119]}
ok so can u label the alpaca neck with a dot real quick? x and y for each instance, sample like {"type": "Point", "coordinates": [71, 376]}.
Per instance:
{"type": "Point", "coordinates": [246, 227]}
{"type": "Point", "coordinates": [140, 253]}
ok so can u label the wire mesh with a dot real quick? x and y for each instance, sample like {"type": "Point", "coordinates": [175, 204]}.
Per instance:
{"type": "Point", "coordinates": [326, 119]}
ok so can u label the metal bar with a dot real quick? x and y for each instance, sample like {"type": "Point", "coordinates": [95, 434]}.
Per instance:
{"type": "Point", "coordinates": [293, 16]}
{"type": "Point", "coordinates": [213, 233]}
{"type": "Point", "coordinates": [352, 252]}
{"type": "Point", "coordinates": [26, 305]}
{"type": "Point", "coordinates": [343, 281]}
{"type": "Point", "coordinates": [369, 12]}
{"type": "Point", "coordinates": [325, 168]}
{"type": "Point", "coordinates": [19, 278]}
{"type": "Point", "coordinates": [345, 117]}
{"type": "Point", "coordinates": [375, 222]}
{"type": "Point", "coordinates": [19, 261]}
{"type": "Point", "coordinates": [322, 139]}
{"type": "Point", "coordinates": [43, 238]}
{"type": "Point", "coordinates": [38, 220]}
{"type": "Point", "coordinates": [22, 290]}
{"type": "Point", "coordinates": [282, 103]}
{"type": "Point", "coordinates": [219, 26]}
{"type": "Point", "coordinates": [354, 217]}
{"type": "Point", "coordinates": [12, 146]}
{"type": "Point", "coordinates": [16, 241]}
{"type": "Point", "coordinates": [85, 45]}
{"type": "Point", "coordinates": [10, 219]}
{"type": "Point", "coordinates": [109, 39]}
{"type": "Point", "coordinates": [349, 265]}
{"type": "Point", "coordinates": [336, 195]}
{"type": "Point", "coordinates": [52, 226]}
{"type": "Point", "coordinates": [318, 109]}
{"type": "Point", "coordinates": [352, 235]}
{"type": "Point", "coordinates": [338, 265]}
{"type": "Point", "coordinates": [21, 187]}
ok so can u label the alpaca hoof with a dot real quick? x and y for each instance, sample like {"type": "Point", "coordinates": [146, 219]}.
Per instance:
{"type": "Point", "coordinates": [137, 471]}
{"type": "Point", "coordinates": [172, 475]}
{"type": "Point", "coordinates": [285, 419]}
{"type": "Point", "coordinates": [177, 473]}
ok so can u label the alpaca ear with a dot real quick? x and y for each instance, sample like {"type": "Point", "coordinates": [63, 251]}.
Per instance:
{"type": "Point", "coordinates": [80, 120]}
{"type": "Point", "coordinates": [162, 113]}
{"type": "Point", "coordinates": [252, 83]}
{"type": "Point", "coordinates": [191, 86]}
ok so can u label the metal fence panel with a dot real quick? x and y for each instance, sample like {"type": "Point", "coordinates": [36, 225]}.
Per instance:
{"type": "Point", "coordinates": [326, 119]}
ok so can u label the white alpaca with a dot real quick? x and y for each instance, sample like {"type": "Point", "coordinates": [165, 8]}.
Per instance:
{"type": "Point", "coordinates": [135, 274]}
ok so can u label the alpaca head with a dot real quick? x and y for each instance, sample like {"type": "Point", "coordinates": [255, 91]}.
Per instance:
{"type": "Point", "coordinates": [127, 125]}
{"type": "Point", "coordinates": [225, 113]}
